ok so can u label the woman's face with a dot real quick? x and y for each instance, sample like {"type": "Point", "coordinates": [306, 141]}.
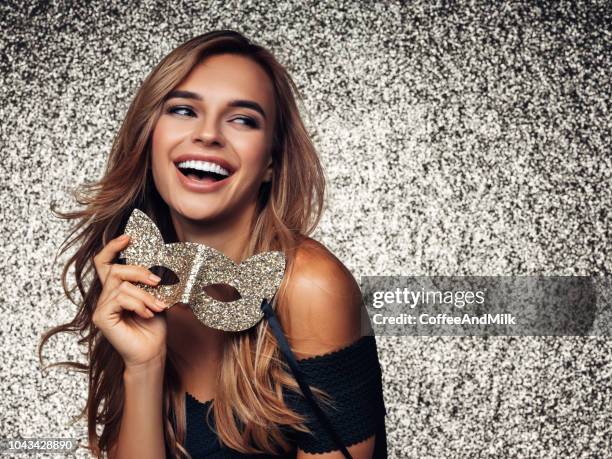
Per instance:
{"type": "Point", "coordinates": [211, 144]}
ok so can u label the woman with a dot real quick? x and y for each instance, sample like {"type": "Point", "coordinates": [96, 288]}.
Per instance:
{"type": "Point", "coordinates": [214, 151]}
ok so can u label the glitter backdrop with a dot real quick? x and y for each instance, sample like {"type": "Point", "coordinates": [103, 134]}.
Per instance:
{"type": "Point", "coordinates": [464, 140]}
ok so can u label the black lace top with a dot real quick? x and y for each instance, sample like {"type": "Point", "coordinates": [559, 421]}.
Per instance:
{"type": "Point", "coordinates": [351, 375]}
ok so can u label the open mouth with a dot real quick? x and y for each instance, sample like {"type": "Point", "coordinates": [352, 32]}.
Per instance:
{"type": "Point", "coordinates": [203, 171]}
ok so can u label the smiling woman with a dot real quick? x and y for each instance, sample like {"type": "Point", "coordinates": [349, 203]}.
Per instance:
{"type": "Point", "coordinates": [213, 150]}
{"type": "Point", "coordinates": [212, 143]}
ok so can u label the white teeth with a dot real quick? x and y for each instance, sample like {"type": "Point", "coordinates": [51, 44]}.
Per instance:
{"type": "Point", "coordinates": [203, 166]}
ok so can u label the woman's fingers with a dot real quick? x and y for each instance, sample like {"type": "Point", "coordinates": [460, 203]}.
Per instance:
{"type": "Point", "coordinates": [143, 296]}
{"type": "Point", "coordinates": [108, 308]}
{"type": "Point", "coordinates": [136, 340]}
{"type": "Point", "coordinates": [103, 260]}
{"type": "Point", "coordinates": [121, 300]}
{"type": "Point", "coordinates": [115, 276]}
{"type": "Point", "coordinates": [133, 273]}
{"type": "Point", "coordinates": [125, 301]}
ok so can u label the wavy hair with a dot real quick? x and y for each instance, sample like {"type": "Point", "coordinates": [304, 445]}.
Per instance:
{"type": "Point", "coordinates": [249, 410]}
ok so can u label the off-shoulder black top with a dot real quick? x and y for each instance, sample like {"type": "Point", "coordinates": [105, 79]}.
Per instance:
{"type": "Point", "coordinates": [351, 375]}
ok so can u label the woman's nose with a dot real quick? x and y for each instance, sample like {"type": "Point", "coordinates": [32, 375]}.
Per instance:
{"type": "Point", "coordinates": [208, 132]}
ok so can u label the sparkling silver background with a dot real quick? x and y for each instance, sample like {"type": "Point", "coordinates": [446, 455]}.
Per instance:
{"type": "Point", "coordinates": [465, 140]}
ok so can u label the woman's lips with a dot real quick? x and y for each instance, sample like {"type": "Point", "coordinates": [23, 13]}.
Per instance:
{"type": "Point", "coordinates": [199, 186]}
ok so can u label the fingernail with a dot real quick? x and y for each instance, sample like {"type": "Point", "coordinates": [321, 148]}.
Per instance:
{"type": "Point", "coordinates": [154, 278]}
{"type": "Point", "coordinates": [161, 304]}
{"type": "Point", "coordinates": [124, 237]}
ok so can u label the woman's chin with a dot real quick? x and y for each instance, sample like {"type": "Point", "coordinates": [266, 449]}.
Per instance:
{"type": "Point", "coordinates": [198, 211]}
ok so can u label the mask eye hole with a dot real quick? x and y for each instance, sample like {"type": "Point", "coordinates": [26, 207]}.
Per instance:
{"type": "Point", "coordinates": [222, 292]}
{"type": "Point", "coordinates": [168, 277]}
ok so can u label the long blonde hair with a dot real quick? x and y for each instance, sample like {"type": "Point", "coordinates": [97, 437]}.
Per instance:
{"type": "Point", "coordinates": [252, 373]}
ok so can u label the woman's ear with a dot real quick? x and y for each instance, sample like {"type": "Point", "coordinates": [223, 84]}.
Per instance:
{"type": "Point", "coordinates": [269, 171]}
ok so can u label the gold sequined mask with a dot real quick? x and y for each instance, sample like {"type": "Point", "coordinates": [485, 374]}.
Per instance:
{"type": "Point", "coordinates": [197, 266]}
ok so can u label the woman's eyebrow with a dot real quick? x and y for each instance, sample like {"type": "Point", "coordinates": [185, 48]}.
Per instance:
{"type": "Point", "coordinates": [233, 103]}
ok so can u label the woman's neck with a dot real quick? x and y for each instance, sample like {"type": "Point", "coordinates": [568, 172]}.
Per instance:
{"type": "Point", "coordinates": [229, 235]}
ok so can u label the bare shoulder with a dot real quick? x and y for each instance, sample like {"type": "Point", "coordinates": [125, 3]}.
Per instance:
{"type": "Point", "coordinates": [323, 302]}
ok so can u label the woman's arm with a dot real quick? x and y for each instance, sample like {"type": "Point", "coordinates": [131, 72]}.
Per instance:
{"type": "Point", "coordinates": [142, 433]}
{"type": "Point", "coordinates": [325, 305]}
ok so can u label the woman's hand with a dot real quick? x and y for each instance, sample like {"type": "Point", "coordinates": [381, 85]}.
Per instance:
{"type": "Point", "coordinates": [125, 313]}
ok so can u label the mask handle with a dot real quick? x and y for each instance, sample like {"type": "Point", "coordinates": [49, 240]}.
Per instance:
{"type": "Point", "coordinates": [299, 375]}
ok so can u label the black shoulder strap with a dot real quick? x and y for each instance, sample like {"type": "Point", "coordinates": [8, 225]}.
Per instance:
{"type": "Point", "coordinates": [299, 376]}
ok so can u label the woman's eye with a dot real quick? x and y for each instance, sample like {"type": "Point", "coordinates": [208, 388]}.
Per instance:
{"type": "Point", "coordinates": [179, 110]}
{"type": "Point", "coordinates": [247, 121]}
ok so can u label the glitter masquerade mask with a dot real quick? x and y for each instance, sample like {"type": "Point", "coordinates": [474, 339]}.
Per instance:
{"type": "Point", "coordinates": [197, 266]}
